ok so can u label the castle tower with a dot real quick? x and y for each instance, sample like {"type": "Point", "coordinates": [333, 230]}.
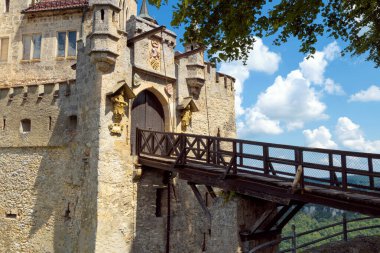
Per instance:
{"type": "Point", "coordinates": [104, 36]}
{"type": "Point", "coordinates": [103, 77]}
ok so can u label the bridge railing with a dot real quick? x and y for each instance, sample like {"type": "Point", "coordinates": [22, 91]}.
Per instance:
{"type": "Point", "coordinates": [332, 169]}
{"type": "Point", "coordinates": [342, 229]}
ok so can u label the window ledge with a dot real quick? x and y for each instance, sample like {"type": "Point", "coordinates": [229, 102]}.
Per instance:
{"type": "Point", "coordinates": [68, 58]}
{"type": "Point", "coordinates": [30, 61]}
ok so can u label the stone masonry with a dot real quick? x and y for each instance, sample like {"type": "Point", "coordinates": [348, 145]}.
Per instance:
{"type": "Point", "coordinates": [69, 181]}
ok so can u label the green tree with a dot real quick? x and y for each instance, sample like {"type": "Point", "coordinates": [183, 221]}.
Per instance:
{"type": "Point", "coordinates": [229, 27]}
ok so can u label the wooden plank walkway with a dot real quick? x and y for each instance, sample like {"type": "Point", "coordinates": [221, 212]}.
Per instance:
{"type": "Point", "coordinates": [278, 173]}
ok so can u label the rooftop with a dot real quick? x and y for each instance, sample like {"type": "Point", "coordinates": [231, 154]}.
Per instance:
{"type": "Point", "coordinates": [50, 5]}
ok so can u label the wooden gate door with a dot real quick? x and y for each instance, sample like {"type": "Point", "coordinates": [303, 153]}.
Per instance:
{"type": "Point", "coordinates": [147, 113]}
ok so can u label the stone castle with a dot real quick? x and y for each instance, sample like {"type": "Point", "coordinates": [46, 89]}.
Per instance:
{"type": "Point", "coordinates": [77, 77]}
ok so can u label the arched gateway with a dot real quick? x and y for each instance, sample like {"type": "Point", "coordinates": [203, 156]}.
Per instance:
{"type": "Point", "coordinates": [147, 113]}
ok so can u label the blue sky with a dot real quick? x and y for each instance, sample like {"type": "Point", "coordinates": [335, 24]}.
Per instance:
{"type": "Point", "coordinates": [329, 101]}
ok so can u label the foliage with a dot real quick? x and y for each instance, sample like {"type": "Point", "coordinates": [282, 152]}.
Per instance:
{"type": "Point", "coordinates": [321, 216]}
{"type": "Point", "coordinates": [229, 27]}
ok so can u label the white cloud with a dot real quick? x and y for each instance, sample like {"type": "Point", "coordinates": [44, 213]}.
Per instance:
{"type": "Point", "coordinates": [352, 137]}
{"type": "Point", "coordinates": [331, 51]}
{"type": "Point", "coordinates": [371, 94]}
{"type": "Point", "coordinates": [333, 88]}
{"type": "Point", "coordinates": [291, 100]}
{"type": "Point", "coordinates": [260, 59]}
{"type": "Point", "coordinates": [313, 68]}
{"type": "Point", "coordinates": [319, 138]}
{"type": "Point", "coordinates": [256, 122]}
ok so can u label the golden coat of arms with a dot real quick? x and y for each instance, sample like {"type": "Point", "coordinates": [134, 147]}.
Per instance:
{"type": "Point", "coordinates": [155, 54]}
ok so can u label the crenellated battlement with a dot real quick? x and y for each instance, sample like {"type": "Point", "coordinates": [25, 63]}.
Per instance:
{"type": "Point", "coordinates": [37, 91]}
{"type": "Point", "coordinates": [38, 114]}
{"type": "Point", "coordinates": [226, 80]}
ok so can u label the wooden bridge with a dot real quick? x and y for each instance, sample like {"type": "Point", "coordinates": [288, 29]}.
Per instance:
{"type": "Point", "coordinates": [290, 176]}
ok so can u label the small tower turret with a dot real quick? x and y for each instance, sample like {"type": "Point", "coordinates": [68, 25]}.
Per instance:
{"type": "Point", "coordinates": [104, 34]}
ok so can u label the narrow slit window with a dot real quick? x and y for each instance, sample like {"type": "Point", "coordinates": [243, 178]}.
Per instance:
{"type": "Point", "coordinates": [102, 15]}
{"type": "Point", "coordinates": [50, 123]}
{"type": "Point", "coordinates": [4, 47]}
{"type": "Point", "coordinates": [4, 123]}
{"type": "Point", "coordinates": [7, 2]}
{"type": "Point", "coordinates": [126, 17]}
{"type": "Point", "coordinates": [11, 215]}
{"type": "Point", "coordinates": [159, 193]}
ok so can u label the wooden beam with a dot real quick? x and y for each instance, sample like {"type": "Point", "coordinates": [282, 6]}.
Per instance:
{"type": "Point", "coordinates": [200, 200]}
{"type": "Point", "coordinates": [211, 191]}
{"type": "Point", "coordinates": [290, 215]}
{"type": "Point", "coordinates": [297, 179]}
{"type": "Point", "coordinates": [262, 219]}
{"type": "Point", "coordinates": [132, 40]}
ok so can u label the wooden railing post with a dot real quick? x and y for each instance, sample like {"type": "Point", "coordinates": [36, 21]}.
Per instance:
{"type": "Point", "coordinates": [266, 159]}
{"type": "Point", "coordinates": [214, 151]}
{"type": "Point", "coordinates": [294, 239]}
{"type": "Point", "coordinates": [344, 171]}
{"type": "Point", "coordinates": [345, 233]}
{"type": "Point", "coordinates": [234, 157]}
{"type": "Point", "coordinates": [370, 169]}
{"type": "Point", "coordinates": [331, 164]}
{"type": "Point", "coordinates": [138, 141]}
{"type": "Point", "coordinates": [299, 161]}
{"type": "Point", "coordinates": [183, 149]}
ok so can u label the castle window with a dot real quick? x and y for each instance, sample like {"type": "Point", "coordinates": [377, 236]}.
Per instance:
{"type": "Point", "coordinates": [4, 45]}
{"type": "Point", "coordinates": [161, 202]}
{"type": "Point", "coordinates": [102, 15]}
{"type": "Point", "coordinates": [31, 46]}
{"type": "Point", "coordinates": [26, 126]}
{"type": "Point", "coordinates": [67, 44]}
{"type": "Point", "coordinates": [73, 123]}
{"type": "Point", "coordinates": [50, 123]}
{"type": "Point", "coordinates": [6, 6]}
{"type": "Point", "coordinates": [4, 123]}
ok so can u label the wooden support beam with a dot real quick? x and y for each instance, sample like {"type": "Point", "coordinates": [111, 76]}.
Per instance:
{"type": "Point", "coordinates": [211, 191]}
{"type": "Point", "coordinates": [262, 219]}
{"type": "Point", "coordinates": [290, 215]}
{"type": "Point", "coordinates": [200, 200]}
{"type": "Point", "coordinates": [277, 217]}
